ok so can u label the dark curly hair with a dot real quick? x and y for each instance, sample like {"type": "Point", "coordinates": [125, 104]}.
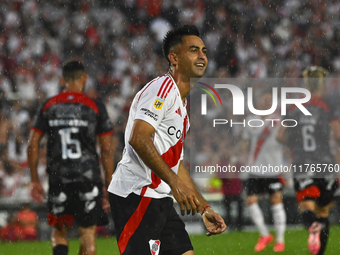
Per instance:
{"type": "Point", "coordinates": [175, 36]}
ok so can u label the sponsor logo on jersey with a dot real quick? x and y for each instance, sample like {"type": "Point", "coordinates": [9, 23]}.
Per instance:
{"type": "Point", "coordinates": [303, 184]}
{"type": "Point", "coordinates": [275, 186]}
{"type": "Point", "coordinates": [158, 104]}
{"type": "Point", "coordinates": [150, 114]}
{"type": "Point", "coordinates": [71, 123]}
{"type": "Point", "coordinates": [154, 246]}
{"type": "Point", "coordinates": [173, 131]}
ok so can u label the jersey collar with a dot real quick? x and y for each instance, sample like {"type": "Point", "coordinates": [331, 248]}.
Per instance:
{"type": "Point", "coordinates": [177, 91]}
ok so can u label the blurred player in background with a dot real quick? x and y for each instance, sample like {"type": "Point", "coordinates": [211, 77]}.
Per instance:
{"type": "Point", "coordinates": [72, 122]}
{"type": "Point", "coordinates": [265, 151]}
{"type": "Point", "coordinates": [309, 143]}
{"type": "Point", "coordinates": [145, 219]}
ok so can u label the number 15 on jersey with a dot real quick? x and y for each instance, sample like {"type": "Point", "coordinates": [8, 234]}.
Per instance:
{"type": "Point", "coordinates": [66, 142]}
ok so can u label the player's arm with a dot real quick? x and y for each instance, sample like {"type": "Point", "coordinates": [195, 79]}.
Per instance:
{"type": "Point", "coordinates": [280, 135]}
{"type": "Point", "coordinates": [140, 140]}
{"type": "Point", "coordinates": [37, 191]}
{"type": "Point", "coordinates": [335, 127]}
{"type": "Point", "coordinates": [184, 175]}
{"type": "Point", "coordinates": [106, 154]}
{"type": "Point", "coordinates": [212, 220]}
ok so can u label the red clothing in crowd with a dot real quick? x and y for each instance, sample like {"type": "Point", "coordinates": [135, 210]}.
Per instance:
{"type": "Point", "coordinates": [22, 226]}
{"type": "Point", "coordinates": [12, 231]}
{"type": "Point", "coordinates": [28, 220]}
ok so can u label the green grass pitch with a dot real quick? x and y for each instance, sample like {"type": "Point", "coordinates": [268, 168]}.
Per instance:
{"type": "Point", "coordinates": [229, 243]}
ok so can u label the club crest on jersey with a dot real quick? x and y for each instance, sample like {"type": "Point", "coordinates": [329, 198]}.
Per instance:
{"type": "Point", "coordinates": [158, 104]}
{"type": "Point", "coordinates": [154, 246]}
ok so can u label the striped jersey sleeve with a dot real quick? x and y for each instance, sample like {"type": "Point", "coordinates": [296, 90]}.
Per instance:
{"type": "Point", "coordinates": [152, 101]}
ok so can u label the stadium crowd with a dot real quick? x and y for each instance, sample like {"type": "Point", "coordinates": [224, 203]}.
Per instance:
{"type": "Point", "coordinates": [120, 44]}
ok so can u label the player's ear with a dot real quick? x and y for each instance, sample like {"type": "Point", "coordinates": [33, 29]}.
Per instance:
{"type": "Point", "coordinates": [173, 58]}
{"type": "Point", "coordinates": [62, 82]}
{"type": "Point", "coordinates": [83, 80]}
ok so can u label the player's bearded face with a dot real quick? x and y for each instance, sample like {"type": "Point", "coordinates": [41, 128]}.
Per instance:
{"type": "Point", "coordinates": [193, 58]}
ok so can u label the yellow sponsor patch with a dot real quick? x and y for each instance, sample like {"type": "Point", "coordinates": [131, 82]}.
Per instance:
{"type": "Point", "coordinates": [158, 104]}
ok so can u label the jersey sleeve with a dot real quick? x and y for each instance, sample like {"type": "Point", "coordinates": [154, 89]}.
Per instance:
{"type": "Point", "coordinates": [151, 108]}
{"type": "Point", "coordinates": [104, 125]}
{"type": "Point", "coordinates": [40, 123]}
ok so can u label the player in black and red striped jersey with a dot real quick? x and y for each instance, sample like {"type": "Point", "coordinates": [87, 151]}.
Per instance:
{"type": "Point", "coordinates": [72, 122]}
{"type": "Point", "coordinates": [309, 143]}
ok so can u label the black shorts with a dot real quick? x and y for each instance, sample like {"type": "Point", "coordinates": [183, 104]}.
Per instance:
{"type": "Point", "coordinates": [320, 190]}
{"type": "Point", "coordinates": [79, 202]}
{"type": "Point", "coordinates": [256, 186]}
{"type": "Point", "coordinates": [148, 226]}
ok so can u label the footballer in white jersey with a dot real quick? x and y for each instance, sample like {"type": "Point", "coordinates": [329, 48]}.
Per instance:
{"type": "Point", "coordinates": [265, 154]}
{"type": "Point", "coordinates": [145, 219]}
{"type": "Point", "coordinates": [159, 104]}
{"type": "Point", "coordinates": [265, 150]}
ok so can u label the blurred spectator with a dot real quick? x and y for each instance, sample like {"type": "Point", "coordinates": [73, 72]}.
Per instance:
{"type": "Point", "coordinates": [12, 231]}
{"type": "Point", "coordinates": [12, 175]}
{"type": "Point", "coordinates": [6, 87]}
{"type": "Point", "coordinates": [28, 220]}
{"type": "Point", "coordinates": [114, 103]}
{"type": "Point", "coordinates": [50, 84]}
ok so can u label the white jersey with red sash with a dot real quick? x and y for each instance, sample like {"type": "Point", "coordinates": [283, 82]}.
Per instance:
{"type": "Point", "coordinates": [264, 148]}
{"type": "Point", "coordinates": [158, 103]}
